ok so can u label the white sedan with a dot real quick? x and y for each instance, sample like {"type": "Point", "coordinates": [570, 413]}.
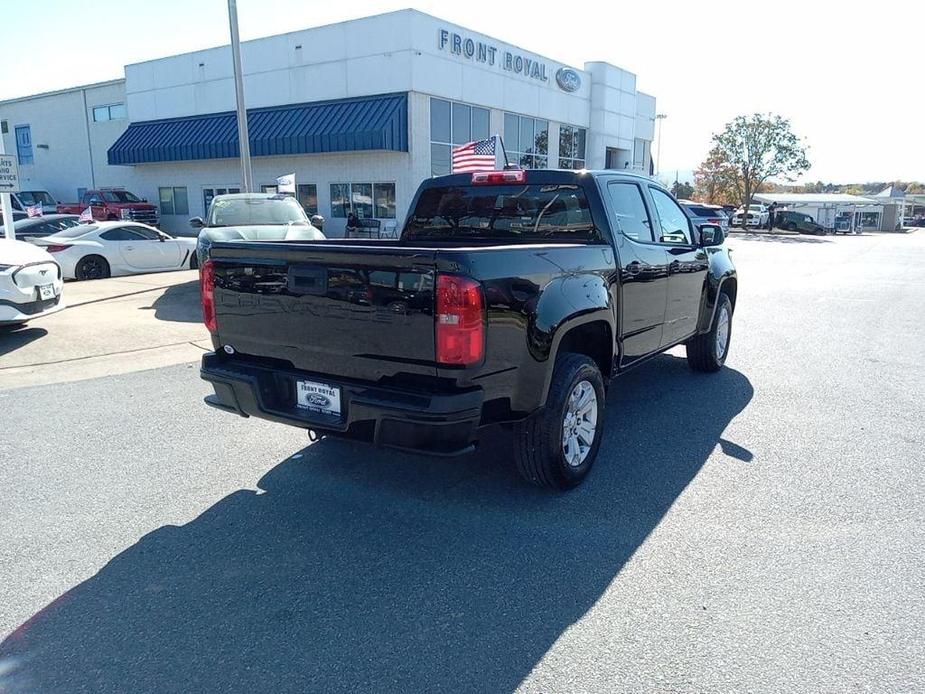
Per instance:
{"type": "Point", "coordinates": [108, 249]}
{"type": "Point", "coordinates": [30, 283]}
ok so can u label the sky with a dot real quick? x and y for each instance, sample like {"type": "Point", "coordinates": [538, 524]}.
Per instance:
{"type": "Point", "coordinates": [850, 76]}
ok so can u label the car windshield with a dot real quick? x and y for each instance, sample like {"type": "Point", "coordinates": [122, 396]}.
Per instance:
{"type": "Point", "coordinates": [74, 232]}
{"type": "Point", "coordinates": [234, 212]}
{"type": "Point", "coordinates": [519, 213]}
{"type": "Point", "coordinates": [120, 196]}
{"type": "Point", "coordinates": [754, 208]}
{"type": "Point", "coordinates": [36, 197]}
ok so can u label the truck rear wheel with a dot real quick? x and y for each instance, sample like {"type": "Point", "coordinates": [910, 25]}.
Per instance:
{"type": "Point", "coordinates": [557, 447]}
{"type": "Point", "coordinates": [707, 352]}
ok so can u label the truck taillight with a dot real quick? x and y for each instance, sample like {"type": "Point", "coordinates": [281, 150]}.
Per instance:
{"type": "Point", "coordinates": [207, 294]}
{"type": "Point", "coordinates": [460, 320]}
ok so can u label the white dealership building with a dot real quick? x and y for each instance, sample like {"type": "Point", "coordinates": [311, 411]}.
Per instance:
{"type": "Point", "coordinates": [360, 111]}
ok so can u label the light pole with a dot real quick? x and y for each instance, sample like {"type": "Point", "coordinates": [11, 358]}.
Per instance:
{"type": "Point", "coordinates": [244, 145]}
{"type": "Point", "coordinates": [659, 117]}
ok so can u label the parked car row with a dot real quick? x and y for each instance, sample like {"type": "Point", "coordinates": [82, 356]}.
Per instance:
{"type": "Point", "coordinates": [52, 248]}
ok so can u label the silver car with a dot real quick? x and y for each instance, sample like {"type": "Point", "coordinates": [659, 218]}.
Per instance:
{"type": "Point", "coordinates": [702, 213]}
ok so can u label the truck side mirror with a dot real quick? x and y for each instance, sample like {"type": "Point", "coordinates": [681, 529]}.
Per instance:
{"type": "Point", "coordinates": [711, 235]}
{"type": "Point", "coordinates": [197, 223]}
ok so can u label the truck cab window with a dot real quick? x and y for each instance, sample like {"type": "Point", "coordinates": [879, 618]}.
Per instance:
{"type": "Point", "coordinates": [630, 211]}
{"type": "Point", "coordinates": [675, 226]}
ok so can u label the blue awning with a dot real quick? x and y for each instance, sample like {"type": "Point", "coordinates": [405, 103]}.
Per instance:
{"type": "Point", "coordinates": [346, 125]}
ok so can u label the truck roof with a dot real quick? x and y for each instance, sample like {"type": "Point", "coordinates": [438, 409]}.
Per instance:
{"type": "Point", "coordinates": [545, 176]}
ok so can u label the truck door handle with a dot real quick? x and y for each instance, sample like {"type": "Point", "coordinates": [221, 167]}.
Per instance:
{"type": "Point", "coordinates": [130, 248]}
{"type": "Point", "coordinates": [634, 268]}
{"type": "Point", "coordinates": [675, 266]}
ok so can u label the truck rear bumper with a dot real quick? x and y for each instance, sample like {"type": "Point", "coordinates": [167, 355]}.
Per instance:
{"type": "Point", "coordinates": [442, 424]}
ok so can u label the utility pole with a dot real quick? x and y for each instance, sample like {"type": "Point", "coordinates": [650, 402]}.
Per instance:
{"type": "Point", "coordinates": [659, 117]}
{"type": "Point", "coordinates": [244, 145]}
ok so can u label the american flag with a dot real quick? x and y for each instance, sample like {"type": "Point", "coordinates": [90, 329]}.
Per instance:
{"type": "Point", "coordinates": [34, 211]}
{"type": "Point", "coordinates": [86, 216]}
{"type": "Point", "coordinates": [474, 156]}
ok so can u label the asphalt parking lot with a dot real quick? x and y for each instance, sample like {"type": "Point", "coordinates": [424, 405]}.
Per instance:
{"type": "Point", "coordinates": [758, 530]}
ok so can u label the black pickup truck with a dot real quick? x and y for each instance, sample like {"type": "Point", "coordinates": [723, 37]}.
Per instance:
{"type": "Point", "coordinates": [512, 297]}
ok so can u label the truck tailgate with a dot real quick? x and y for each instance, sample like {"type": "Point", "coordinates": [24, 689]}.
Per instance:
{"type": "Point", "coordinates": [359, 312]}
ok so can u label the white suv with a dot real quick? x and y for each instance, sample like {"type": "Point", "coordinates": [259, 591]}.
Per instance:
{"type": "Point", "coordinates": [757, 216]}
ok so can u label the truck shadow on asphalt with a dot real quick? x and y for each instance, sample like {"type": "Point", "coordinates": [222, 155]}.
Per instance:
{"type": "Point", "coordinates": [354, 569]}
{"type": "Point", "coordinates": [179, 303]}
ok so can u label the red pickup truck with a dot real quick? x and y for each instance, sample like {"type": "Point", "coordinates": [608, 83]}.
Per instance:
{"type": "Point", "coordinates": [113, 203]}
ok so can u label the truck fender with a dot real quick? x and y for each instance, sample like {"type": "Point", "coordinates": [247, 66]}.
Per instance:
{"type": "Point", "coordinates": [564, 304]}
{"type": "Point", "coordinates": [713, 286]}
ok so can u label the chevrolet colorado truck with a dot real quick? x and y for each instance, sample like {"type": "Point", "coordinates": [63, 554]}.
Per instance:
{"type": "Point", "coordinates": [512, 297]}
{"type": "Point", "coordinates": [108, 204]}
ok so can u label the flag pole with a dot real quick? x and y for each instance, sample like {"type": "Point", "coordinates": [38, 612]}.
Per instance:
{"type": "Point", "coordinates": [503, 151]}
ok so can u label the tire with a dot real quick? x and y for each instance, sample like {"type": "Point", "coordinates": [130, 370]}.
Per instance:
{"type": "Point", "coordinates": [704, 352]}
{"type": "Point", "coordinates": [791, 227]}
{"type": "Point", "coordinates": [541, 451]}
{"type": "Point", "coordinates": [194, 261]}
{"type": "Point", "coordinates": [92, 267]}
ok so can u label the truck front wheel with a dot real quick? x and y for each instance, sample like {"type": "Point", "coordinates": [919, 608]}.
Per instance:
{"type": "Point", "coordinates": [707, 352]}
{"type": "Point", "coordinates": [557, 447]}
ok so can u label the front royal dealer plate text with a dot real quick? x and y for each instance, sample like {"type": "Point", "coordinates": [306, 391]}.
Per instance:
{"type": "Point", "coordinates": [318, 397]}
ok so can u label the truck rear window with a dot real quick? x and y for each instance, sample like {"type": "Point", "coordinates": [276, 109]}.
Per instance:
{"type": "Point", "coordinates": [528, 213]}
{"type": "Point", "coordinates": [702, 211]}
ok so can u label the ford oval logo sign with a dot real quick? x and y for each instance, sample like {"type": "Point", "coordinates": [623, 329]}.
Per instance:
{"type": "Point", "coordinates": [318, 400]}
{"type": "Point", "coordinates": [568, 80]}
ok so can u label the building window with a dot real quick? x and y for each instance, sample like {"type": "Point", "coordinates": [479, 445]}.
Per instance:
{"type": "Point", "coordinates": [24, 144]}
{"type": "Point", "coordinates": [453, 124]}
{"type": "Point", "coordinates": [4, 127]}
{"type": "Point", "coordinates": [571, 147]}
{"type": "Point", "coordinates": [359, 198]}
{"type": "Point", "coordinates": [173, 200]}
{"type": "Point", "coordinates": [307, 194]}
{"type": "Point", "coordinates": [526, 141]}
{"type": "Point", "coordinates": [108, 112]}
{"type": "Point", "coordinates": [340, 199]}
{"type": "Point", "coordinates": [271, 188]}
{"type": "Point", "coordinates": [385, 200]}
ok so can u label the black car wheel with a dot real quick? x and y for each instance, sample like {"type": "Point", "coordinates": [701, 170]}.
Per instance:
{"type": "Point", "coordinates": [791, 226]}
{"type": "Point", "coordinates": [92, 267]}
{"type": "Point", "coordinates": [557, 447]}
{"type": "Point", "coordinates": [193, 261]}
{"type": "Point", "coordinates": [708, 352]}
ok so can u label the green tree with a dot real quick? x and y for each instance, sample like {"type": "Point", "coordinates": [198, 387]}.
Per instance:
{"type": "Point", "coordinates": [682, 190]}
{"type": "Point", "coordinates": [759, 147]}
